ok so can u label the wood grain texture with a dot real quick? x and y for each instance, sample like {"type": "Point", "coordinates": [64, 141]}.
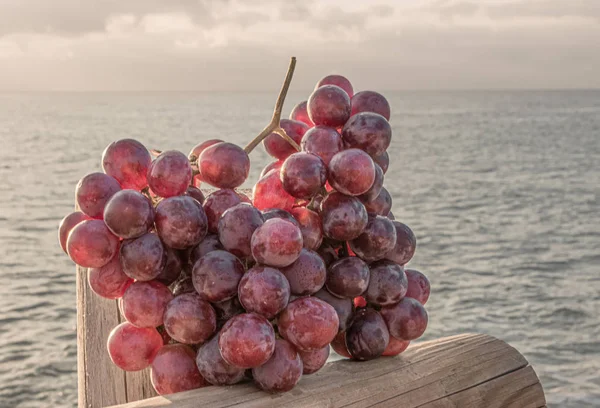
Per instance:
{"type": "Point", "coordinates": [471, 370]}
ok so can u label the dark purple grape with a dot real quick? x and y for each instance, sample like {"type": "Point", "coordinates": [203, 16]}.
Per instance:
{"type": "Point", "coordinates": [307, 274]}
{"type": "Point", "coordinates": [268, 193]}
{"type": "Point", "coordinates": [303, 175]}
{"type": "Point", "coordinates": [127, 160]}
{"type": "Point", "coordinates": [214, 368]}
{"type": "Point", "coordinates": [418, 286]}
{"type": "Point", "coordinates": [310, 226]}
{"type": "Point", "coordinates": [144, 303]}
{"type": "Point", "coordinates": [406, 244]}
{"type": "Point", "coordinates": [224, 165]}
{"type": "Point", "coordinates": [308, 323]}
{"type": "Point", "coordinates": [264, 290]}
{"type": "Point", "coordinates": [129, 214]}
{"type": "Point", "coordinates": [133, 348]}
{"type": "Point", "coordinates": [368, 336]}
{"type": "Point", "coordinates": [209, 243]}
{"type": "Point", "coordinates": [93, 192]}
{"type": "Point", "coordinates": [378, 238]}
{"type": "Point", "coordinates": [172, 269]}
{"type": "Point", "coordinates": [276, 165]}
{"type": "Point", "coordinates": [276, 243]}
{"type": "Point", "coordinates": [283, 370]}
{"type": "Point", "coordinates": [67, 224]}
{"type": "Point", "coordinates": [351, 172]}
{"type": "Point", "coordinates": [236, 228]}
{"type": "Point", "coordinates": [368, 131]}
{"type": "Point", "coordinates": [381, 205]}
{"type": "Point", "coordinates": [143, 258]}
{"type": "Point", "coordinates": [195, 193]}
{"type": "Point", "coordinates": [344, 217]}
{"type": "Point", "coordinates": [388, 283]}
{"type": "Point", "coordinates": [279, 213]}
{"type": "Point", "coordinates": [170, 174]}
{"type": "Point", "coordinates": [375, 188]}
{"type": "Point", "coordinates": [343, 307]}
{"type": "Point", "coordinates": [181, 222]}
{"type": "Point", "coordinates": [277, 146]}
{"type": "Point", "coordinates": [216, 276]}
{"type": "Point", "coordinates": [329, 105]}
{"type": "Point", "coordinates": [174, 370]}
{"type": "Point", "coordinates": [370, 101]}
{"type": "Point", "coordinates": [189, 319]}
{"type": "Point", "coordinates": [300, 113]}
{"type": "Point", "coordinates": [216, 204]}
{"type": "Point", "coordinates": [313, 361]}
{"type": "Point", "coordinates": [395, 347]}
{"type": "Point", "coordinates": [247, 340]}
{"type": "Point", "coordinates": [109, 281]}
{"type": "Point", "coordinates": [337, 80]}
{"type": "Point", "coordinates": [323, 141]}
{"type": "Point", "coordinates": [406, 320]}
{"type": "Point", "coordinates": [348, 277]}
{"type": "Point", "coordinates": [383, 160]}
{"type": "Point", "coordinates": [91, 244]}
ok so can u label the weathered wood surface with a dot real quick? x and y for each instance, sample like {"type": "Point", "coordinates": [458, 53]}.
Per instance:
{"type": "Point", "coordinates": [464, 371]}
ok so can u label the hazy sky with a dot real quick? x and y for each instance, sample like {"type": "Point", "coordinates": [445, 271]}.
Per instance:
{"type": "Point", "coordinates": [246, 44]}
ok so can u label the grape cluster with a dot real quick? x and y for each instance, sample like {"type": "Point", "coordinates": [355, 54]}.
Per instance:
{"type": "Point", "coordinates": [222, 288]}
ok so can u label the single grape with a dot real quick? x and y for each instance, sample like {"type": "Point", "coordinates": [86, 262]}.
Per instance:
{"type": "Point", "coordinates": [276, 243]}
{"type": "Point", "coordinates": [303, 175]}
{"type": "Point", "coordinates": [283, 370]}
{"type": "Point", "coordinates": [368, 131]}
{"type": "Point", "coordinates": [109, 281]}
{"type": "Point", "coordinates": [196, 194]}
{"type": "Point", "coordinates": [268, 193]}
{"type": "Point", "coordinates": [183, 285]}
{"type": "Point", "coordinates": [370, 101]}
{"type": "Point", "coordinates": [143, 258]}
{"type": "Point", "coordinates": [236, 228]}
{"type": "Point", "coordinates": [277, 146]}
{"type": "Point", "coordinates": [311, 227]}
{"type": "Point", "coordinates": [279, 213]}
{"type": "Point", "coordinates": [329, 105]}
{"type": "Point", "coordinates": [174, 370]}
{"type": "Point", "coordinates": [227, 309]}
{"type": "Point", "coordinates": [198, 149]}
{"type": "Point", "coordinates": [339, 345]}
{"type": "Point", "coordinates": [388, 283]}
{"type": "Point", "coordinates": [144, 303]}
{"type": "Point", "coordinates": [247, 340]}
{"type": "Point", "coordinates": [127, 160]}
{"type": "Point", "coordinates": [170, 174]}
{"type": "Point", "coordinates": [224, 165]}
{"type": "Point", "coordinates": [383, 160]}
{"type": "Point", "coordinates": [213, 366]}
{"type": "Point", "coordinates": [323, 141]}
{"type": "Point", "coordinates": [381, 205]}
{"type": "Point", "coordinates": [307, 274]}
{"type": "Point", "coordinates": [342, 306]}
{"type": "Point", "coordinates": [209, 243]}
{"type": "Point", "coordinates": [216, 276]}
{"type": "Point", "coordinates": [133, 348]}
{"type": "Point", "coordinates": [91, 244]}
{"type": "Point", "coordinates": [368, 336]}
{"type": "Point", "coordinates": [67, 224]}
{"type": "Point", "coordinates": [406, 244]}
{"type": "Point", "coordinates": [351, 172]}
{"type": "Point", "coordinates": [313, 361]}
{"type": "Point", "coordinates": [216, 204]}
{"type": "Point", "coordinates": [129, 214]}
{"type": "Point", "coordinates": [337, 80]}
{"type": "Point", "coordinates": [418, 286]}
{"type": "Point", "coordinates": [378, 238]}
{"type": "Point", "coordinates": [406, 320]}
{"type": "Point", "coordinates": [172, 269]}
{"type": "Point", "coordinates": [264, 290]}
{"type": "Point", "coordinates": [395, 347]}
{"type": "Point", "coordinates": [189, 319]}
{"type": "Point", "coordinates": [181, 222]}
{"type": "Point", "coordinates": [344, 217]}
{"type": "Point", "coordinates": [375, 189]}
{"type": "Point", "coordinates": [300, 113]}
{"type": "Point", "coordinates": [93, 192]}
{"type": "Point", "coordinates": [308, 323]}
{"type": "Point", "coordinates": [348, 277]}
{"type": "Point", "coordinates": [273, 165]}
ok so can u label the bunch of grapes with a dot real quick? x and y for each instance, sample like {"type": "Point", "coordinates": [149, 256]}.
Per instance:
{"type": "Point", "coordinates": [223, 288]}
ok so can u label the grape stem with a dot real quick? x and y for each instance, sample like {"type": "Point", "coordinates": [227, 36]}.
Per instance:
{"type": "Point", "coordinates": [274, 126]}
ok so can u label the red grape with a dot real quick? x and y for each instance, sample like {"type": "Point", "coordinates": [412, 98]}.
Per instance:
{"type": "Point", "coordinates": [406, 320]}
{"type": "Point", "coordinates": [174, 370]}
{"type": "Point", "coordinates": [129, 214]}
{"type": "Point", "coordinates": [133, 348]}
{"type": "Point", "coordinates": [368, 131]}
{"type": "Point", "coordinates": [273, 165]}
{"type": "Point", "coordinates": [406, 244]}
{"type": "Point", "coordinates": [277, 146]}
{"type": "Point", "coordinates": [279, 213]}
{"type": "Point", "coordinates": [189, 319]}
{"type": "Point", "coordinates": [172, 268]}
{"type": "Point", "coordinates": [170, 174]}
{"type": "Point", "coordinates": [264, 290]}
{"type": "Point", "coordinates": [216, 204]}
{"type": "Point", "coordinates": [307, 274]}
{"type": "Point", "coordinates": [109, 281]}
{"type": "Point", "coordinates": [378, 238]}
{"type": "Point", "coordinates": [383, 160]}
{"type": "Point", "coordinates": [283, 370]}
{"type": "Point", "coordinates": [338, 344]}
{"type": "Point", "coordinates": [381, 205]}
{"type": "Point", "coordinates": [127, 160]}
{"type": "Point", "coordinates": [308, 323]}
{"type": "Point", "coordinates": [303, 174]}
{"type": "Point", "coordinates": [323, 141]}
{"type": "Point", "coordinates": [247, 340]}
{"type": "Point", "coordinates": [276, 243]}
{"type": "Point", "coordinates": [214, 368]}
{"type": "Point", "coordinates": [388, 283]}
{"type": "Point", "coordinates": [395, 347]}
{"type": "Point", "coordinates": [91, 244]}
{"type": "Point", "coordinates": [375, 189]}
{"type": "Point", "coordinates": [313, 361]}
{"type": "Point", "coordinates": [348, 277]}
{"type": "Point", "coordinates": [209, 243]}
{"type": "Point", "coordinates": [196, 194]}
{"type": "Point", "coordinates": [144, 303]}
{"type": "Point", "coordinates": [67, 224]}
{"type": "Point", "coordinates": [329, 105]}
{"type": "Point", "coordinates": [310, 226]}
{"type": "Point", "coordinates": [344, 217]}
{"type": "Point", "coordinates": [368, 336]}
{"type": "Point", "coordinates": [343, 307]}
{"type": "Point", "coordinates": [198, 149]}
{"type": "Point", "coordinates": [351, 172]}
{"type": "Point", "coordinates": [216, 276]}
{"type": "Point", "coordinates": [224, 165]}
{"type": "Point", "coordinates": [143, 258]}
{"type": "Point", "coordinates": [300, 113]}
{"type": "Point", "coordinates": [268, 193]}
{"type": "Point", "coordinates": [418, 286]}
{"type": "Point", "coordinates": [93, 192]}
{"type": "Point", "coordinates": [236, 228]}
{"type": "Point", "coordinates": [181, 222]}
{"type": "Point", "coordinates": [337, 80]}
{"type": "Point", "coordinates": [370, 101]}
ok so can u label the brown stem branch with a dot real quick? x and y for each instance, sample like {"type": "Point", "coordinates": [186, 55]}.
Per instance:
{"type": "Point", "coordinates": [281, 132]}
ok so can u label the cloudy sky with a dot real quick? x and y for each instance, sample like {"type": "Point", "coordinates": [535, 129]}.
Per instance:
{"type": "Point", "coordinates": [245, 44]}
